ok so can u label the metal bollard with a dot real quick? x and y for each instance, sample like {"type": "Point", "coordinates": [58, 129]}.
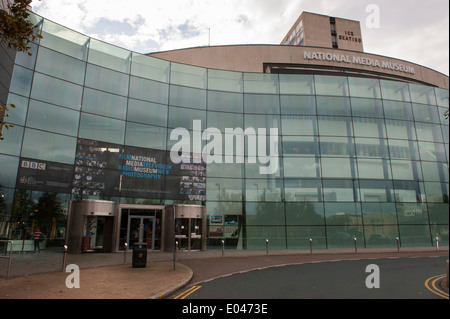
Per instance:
{"type": "Point", "coordinates": [356, 246]}
{"type": "Point", "coordinates": [437, 243]}
{"type": "Point", "coordinates": [223, 248]}
{"type": "Point", "coordinates": [125, 254]}
{"type": "Point", "coordinates": [398, 244]}
{"type": "Point", "coordinates": [64, 259]}
{"type": "Point", "coordinates": [310, 245]}
{"type": "Point", "coordinates": [267, 247]}
{"type": "Point", "coordinates": [175, 254]}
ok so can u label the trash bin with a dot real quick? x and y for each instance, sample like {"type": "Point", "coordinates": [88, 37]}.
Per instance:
{"type": "Point", "coordinates": [139, 257]}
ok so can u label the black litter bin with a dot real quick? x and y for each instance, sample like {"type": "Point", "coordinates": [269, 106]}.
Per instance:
{"type": "Point", "coordinates": [139, 257]}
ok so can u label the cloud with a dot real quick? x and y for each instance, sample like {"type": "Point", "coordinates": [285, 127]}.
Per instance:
{"type": "Point", "coordinates": [413, 30]}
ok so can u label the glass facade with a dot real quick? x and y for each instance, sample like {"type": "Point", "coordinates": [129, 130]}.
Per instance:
{"type": "Point", "coordinates": [357, 158]}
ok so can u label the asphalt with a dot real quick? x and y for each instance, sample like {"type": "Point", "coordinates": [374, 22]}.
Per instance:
{"type": "Point", "coordinates": [112, 276]}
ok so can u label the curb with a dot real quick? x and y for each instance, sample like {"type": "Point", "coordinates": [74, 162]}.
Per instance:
{"type": "Point", "coordinates": [171, 290]}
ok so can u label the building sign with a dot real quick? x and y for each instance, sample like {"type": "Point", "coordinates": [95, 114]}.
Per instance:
{"type": "Point", "coordinates": [357, 60]}
{"type": "Point", "coordinates": [349, 36]}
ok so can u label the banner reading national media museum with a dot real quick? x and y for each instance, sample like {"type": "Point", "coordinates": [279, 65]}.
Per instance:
{"type": "Point", "coordinates": [106, 169]}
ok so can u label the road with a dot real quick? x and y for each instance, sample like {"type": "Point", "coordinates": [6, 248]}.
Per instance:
{"type": "Point", "coordinates": [399, 278]}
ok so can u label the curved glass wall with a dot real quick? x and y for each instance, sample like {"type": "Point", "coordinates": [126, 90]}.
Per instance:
{"type": "Point", "coordinates": [351, 157]}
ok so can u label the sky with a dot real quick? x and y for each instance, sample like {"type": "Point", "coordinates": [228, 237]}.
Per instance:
{"type": "Point", "coordinates": [413, 30]}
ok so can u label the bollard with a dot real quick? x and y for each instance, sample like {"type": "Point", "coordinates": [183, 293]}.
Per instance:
{"type": "Point", "coordinates": [310, 245]}
{"type": "Point", "coordinates": [125, 254]}
{"type": "Point", "coordinates": [64, 259]}
{"type": "Point", "coordinates": [437, 243]}
{"type": "Point", "coordinates": [175, 254]}
{"type": "Point", "coordinates": [267, 247]}
{"type": "Point", "coordinates": [398, 244]}
{"type": "Point", "coordinates": [356, 248]}
{"type": "Point", "coordinates": [223, 248]}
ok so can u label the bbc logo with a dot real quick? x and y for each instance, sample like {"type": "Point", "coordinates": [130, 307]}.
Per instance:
{"type": "Point", "coordinates": [34, 165]}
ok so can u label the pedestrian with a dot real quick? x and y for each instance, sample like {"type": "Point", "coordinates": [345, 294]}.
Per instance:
{"type": "Point", "coordinates": [37, 237]}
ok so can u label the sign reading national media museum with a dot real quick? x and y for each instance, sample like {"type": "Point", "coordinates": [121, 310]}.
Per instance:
{"type": "Point", "coordinates": [358, 60]}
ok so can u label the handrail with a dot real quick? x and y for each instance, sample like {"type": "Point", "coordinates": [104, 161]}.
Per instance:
{"type": "Point", "coordinates": [10, 254]}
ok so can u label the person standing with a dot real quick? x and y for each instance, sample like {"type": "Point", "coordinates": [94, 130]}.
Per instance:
{"type": "Point", "coordinates": [37, 236]}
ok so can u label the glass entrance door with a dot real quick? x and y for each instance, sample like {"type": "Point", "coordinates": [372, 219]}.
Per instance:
{"type": "Point", "coordinates": [141, 232]}
{"type": "Point", "coordinates": [188, 233]}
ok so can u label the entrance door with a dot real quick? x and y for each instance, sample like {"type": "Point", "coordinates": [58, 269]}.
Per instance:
{"type": "Point", "coordinates": [141, 232]}
{"type": "Point", "coordinates": [188, 233]}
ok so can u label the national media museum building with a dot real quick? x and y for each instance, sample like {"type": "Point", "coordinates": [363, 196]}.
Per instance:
{"type": "Point", "coordinates": [312, 141]}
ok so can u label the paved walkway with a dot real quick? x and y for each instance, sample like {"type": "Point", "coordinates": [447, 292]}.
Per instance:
{"type": "Point", "coordinates": [106, 276]}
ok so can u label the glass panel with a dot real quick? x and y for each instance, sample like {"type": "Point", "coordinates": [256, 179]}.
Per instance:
{"type": "Point", "coordinates": [53, 118]}
{"type": "Point", "coordinates": [102, 128]}
{"type": "Point", "coordinates": [301, 167]}
{"type": "Point", "coordinates": [146, 136]}
{"type": "Point", "coordinates": [222, 121]}
{"type": "Point", "coordinates": [297, 84]}
{"type": "Point", "coordinates": [370, 147]}
{"type": "Point", "coordinates": [337, 167]}
{"type": "Point", "coordinates": [149, 90]}
{"type": "Point", "coordinates": [188, 97]}
{"type": "Point", "coordinates": [55, 91]}
{"type": "Point", "coordinates": [225, 102]}
{"type": "Point", "coordinates": [426, 113]}
{"type": "Point", "coordinates": [412, 213]}
{"type": "Point", "coordinates": [338, 191]}
{"type": "Point", "coordinates": [373, 168]}
{"type": "Point", "coordinates": [333, 106]}
{"type": "Point", "coordinates": [331, 85]}
{"type": "Point", "coordinates": [257, 235]}
{"type": "Point", "coordinates": [400, 129]}
{"type": "Point", "coordinates": [415, 235]}
{"type": "Point", "coordinates": [379, 213]}
{"type": "Point", "coordinates": [263, 190]}
{"type": "Point", "coordinates": [263, 214]}
{"type": "Point", "coordinates": [436, 192]}
{"type": "Point", "coordinates": [225, 81]}
{"type": "Point", "coordinates": [422, 94]}
{"type": "Point", "coordinates": [105, 104]}
{"type": "Point", "coordinates": [64, 40]}
{"type": "Point", "coordinates": [299, 125]}
{"type": "Point", "coordinates": [262, 121]}
{"type": "Point", "coordinates": [398, 91]}
{"type": "Point", "coordinates": [367, 127]}
{"type": "Point", "coordinates": [381, 235]}
{"type": "Point", "coordinates": [303, 190]}
{"type": "Point", "coordinates": [233, 169]}
{"type": "Point", "coordinates": [294, 104]}
{"type": "Point", "coordinates": [304, 213]}
{"type": "Point", "coordinates": [406, 191]}
{"type": "Point", "coordinates": [397, 110]}
{"type": "Point", "coordinates": [21, 81]}
{"type": "Point", "coordinates": [432, 152]}
{"type": "Point", "coordinates": [187, 75]}
{"type": "Point", "coordinates": [403, 149]}
{"type": "Point", "coordinates": [18, 114]}
{"type": "Point", "coordinates": [24, 59]}
{"type": "Point", "coordinates": [61, 66]}
{"type": "Point", "coordinates": [57, 148]}
{"type": "Point", "coordinates": [367, 107]}
{"type": "Point", "coordinates": [224, 189]}
{"type": "Point", "coordinates": [12, 142]}
{"type": "Point", "coordinates": [147, 113]}
{"type": "Point", "coordinates": [298, 237]}
{"type": "Point", "coordinates": [263, 104]}
{"type": "Point", "coordinates": [438, 213]}
{"type": "Point", "coordinates": [369, 88]}
{"type": "Point", "coordinates": [442, 97]}
{"type": "Point", "coordinates": [406, 170]}
{"type": "Point", "coordinates": [342, 214]}
{"type": "Point", "coordinates": [107, 80]}
{"type": "Point", "coordinates": [8, 173]}
{"type": "Point", "coordinates": [150, 68]}
{"type": "Point", "coordinates": [376, 191]}
{"type": "Point", "coordinates": [428, 132]}
{"type": "Point", "coordinates": [340, 126]}
{"type": "Point", "coordinates": [109, 56]}
{"type": "Point", "coordinates": [435, 172]}
{"type": "Point", "coordinates": [337, 146]}
{"type": "Point", "coordinates": [261, 83]}
{"type": "Point", "coordinates": [300, 146]}
{"type": "Point", "coordinates": [180, 117]}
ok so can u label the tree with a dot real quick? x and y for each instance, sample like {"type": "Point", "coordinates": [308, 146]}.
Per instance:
{"type": "Point", "coordinates": [16, 32]}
